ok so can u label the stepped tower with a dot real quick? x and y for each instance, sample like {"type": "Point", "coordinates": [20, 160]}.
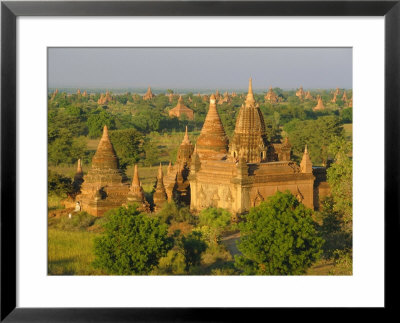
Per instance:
{"type": "Point", "coordinates": [212, 142]}
{"type": "Point", "coordinates": [105, 186]}
{"type": "Point", "coordinates": [250, 138]}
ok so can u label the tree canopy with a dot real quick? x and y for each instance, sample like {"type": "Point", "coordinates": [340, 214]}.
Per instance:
{"type": "Point", "coordinates": [132, 242]}
{"type": "Point", "coordinates": [279, 237]}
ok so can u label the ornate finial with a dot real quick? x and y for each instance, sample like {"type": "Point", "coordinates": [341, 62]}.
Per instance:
{"type": "Point", "coordinates": [250, 95]}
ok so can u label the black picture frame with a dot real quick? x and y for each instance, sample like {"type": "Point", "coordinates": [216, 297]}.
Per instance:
{"type": "Point", "coordinates": [10, 10]}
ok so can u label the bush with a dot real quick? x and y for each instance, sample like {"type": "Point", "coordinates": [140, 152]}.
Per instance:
{"type": "Point", "coordinates": [279, 237]}
{"type": "Point", "coordinates": [78, 222]}
{"type": "Point", "coordinates": [58, 184]}
{"type": "Point", "coordinates": [132, 243]}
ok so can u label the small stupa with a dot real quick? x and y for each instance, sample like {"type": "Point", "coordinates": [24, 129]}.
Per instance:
{"type": "Point", "coordinates": [136, 193]}
{"type": "Point", "coordinates": [320, 105]}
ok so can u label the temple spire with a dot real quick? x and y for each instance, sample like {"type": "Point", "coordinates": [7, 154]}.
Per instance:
{"type": "Point", "coordinates": [135, 180]}
{"type": "Point", "coordinates": [250, 96]}
{"type": "Point", "coordinates": [105, 156]}
{"type": "Point", "coordinates": [186, 137]}
{"type": "Point", "coordinates": [79, 168]}
{"type": "Point", "coordinates": [306, 164]}
{"type": "Point", "coordinates": [212, 142]}
{"type": "Point", "coordinates": [160, 172]}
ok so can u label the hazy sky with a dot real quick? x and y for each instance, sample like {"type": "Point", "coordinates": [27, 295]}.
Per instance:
{"type": "Point", "coordinates": [202, 68]}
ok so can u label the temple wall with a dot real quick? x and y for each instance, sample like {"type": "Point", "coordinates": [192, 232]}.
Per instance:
{"type": "Point", "coordinates": [303, 190]}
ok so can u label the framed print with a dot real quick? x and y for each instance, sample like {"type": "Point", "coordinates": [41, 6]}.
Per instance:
{"type": "Point", "coordinates": [162, 159]}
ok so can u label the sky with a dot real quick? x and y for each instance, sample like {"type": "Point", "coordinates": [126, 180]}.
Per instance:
{"type": "Point", "coordinates": [200, 68]}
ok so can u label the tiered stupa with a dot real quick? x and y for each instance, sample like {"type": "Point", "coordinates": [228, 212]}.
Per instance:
{"type": "Point", "coordinates": [337, 92]}
{"type": "Point", "coordinates": [136, 193]}
{"type": "Point", "coordinates": [271, 96]}
{"type": "Point", "coordinates": [300, 93]}
{"type": "Point", "coordinates": [78, 92]}
{"type": "Point", "coordinates": [320, 105]}
{"type": "Point", "coordinates": [160, 195]}
{"type": "Point", "coordinates": [148, 95]}
{"type": "Point", "coordinates": [105, 186]}
{"type": "Point", "coordinates": [250, 138]}
{"type": "Point", "coordinates": [84, 94]}
{"type": "Point", "coordinates": [181, 110]}
{"type": "Point", "coordinates": [212, 142]}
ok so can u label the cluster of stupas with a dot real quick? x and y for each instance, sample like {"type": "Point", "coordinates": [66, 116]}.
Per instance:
{"type": "Point", "coordinates": [148, 95]}
{"type": "Point", "coordinates": [224, 99]}
{"type": "Point", "coordinates": [104, 99]}
{"type": "Point", "coordinates": [234, 174]}
{"type": "Point", "coordinates": [180, 109]}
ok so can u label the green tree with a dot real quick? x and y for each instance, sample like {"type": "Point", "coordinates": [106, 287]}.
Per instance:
{"type": "Point", "coordinates": [317, 134]}
{"type": "Point", "coordinates": [58, 184]}
{"type": "Point", "coordinates": [279, 237]}
{"type": "Point", "coordinates": [132, 243]}
{"type": "Point", "coordinates": [96, 122]}
{"type": "Point", "coordinates": [340, 179]}
{"type": "Point", "coordinates": [212, 223]}
{"type": "Point", "coordinates": [128, 145]}
{"type": "Point", "coordinates": [332, 229]}
{"type": "Point", "coordinates": [66, 149]}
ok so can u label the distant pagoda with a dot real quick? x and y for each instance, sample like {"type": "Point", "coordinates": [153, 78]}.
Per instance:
{"type": "Point", "coordinates": [181, 110]}
{"type": "Point", "coordinates": [271, 96]}
{"type": "Point", "coordinates": [300, 93]}
{"type": "Point", "coordinates": [320, 105]}
{"type": "Point", "coordinates": [149, 95]}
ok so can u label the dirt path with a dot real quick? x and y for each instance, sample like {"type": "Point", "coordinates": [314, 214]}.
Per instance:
{"type": "Point", "coordinates": [230, 243]}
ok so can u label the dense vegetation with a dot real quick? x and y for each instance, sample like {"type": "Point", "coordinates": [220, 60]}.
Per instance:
{"type": "Point", "coordinates": [279, 237]}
